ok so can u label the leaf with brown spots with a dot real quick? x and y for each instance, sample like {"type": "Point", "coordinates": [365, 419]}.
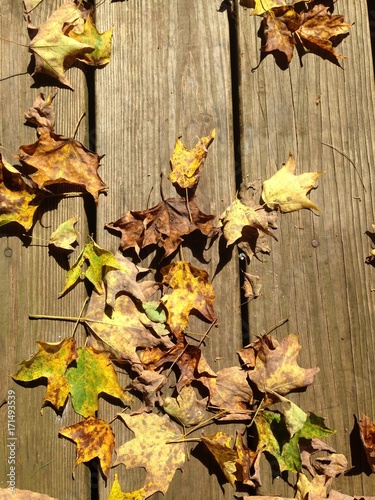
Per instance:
{"type": "Point", "coordinates": [56, 160]}
{"type": "Point", "coordinates": [186, 164]}
{"type": "Point", "coordinates": [186, 408]}
{"type": "Point", "coordinates": [50, 362]}
{"type": "Point", "coordinates": [276, 369]}
{"type": "Point", "coordinates": [153, 449]}
{"type": "Point", "coordinates": [367, 433]}
{"type": "Point", "coordinates": [191, 291]}
{"type": "Point", "coordinates": [163, 225]}
{"type": "Point", "coordinates": [94, 439]}
{"type": "Point", "coordinates": [18, 201]}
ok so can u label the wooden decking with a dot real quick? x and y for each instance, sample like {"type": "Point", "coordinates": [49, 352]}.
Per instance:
{"type": "Point", "coordinates": [181, 68]}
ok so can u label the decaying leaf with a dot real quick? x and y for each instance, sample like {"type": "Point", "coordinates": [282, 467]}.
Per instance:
{"type": "Point", "coordinates": [186, 163]}
{"type": "Point", "coordinates": [251, 286]}
{"type": "Point", "coordinates": [149, 384]}
{"type": "Point", "coordinates": [235, 463]}
{"type": "Point", "coordinates": [41, 113]}
{"type": "Point", "coordinates": [50, 362]}
{"type": "Point", "coordinates": [287, 191]}
{"type": "Point", "coordinates": [186, 408]}
{"type": "Point", "coordinates": [54, 159]}
{"type": "Point", "coordinates": [367, 433]}
{"type": "Point", "coordinates": [162, 225]}
{"type": "Point", "coordinates": [93, 374]}
{"type": "Point", "coordinates": [65, 235]}
{"type": "Point", "coordinates": [191, 291]}
{"type": "Point", "coordinates": [18, 201]}
{"type": "Point", "coordinates": [262, 6]}
{"type": "Point", "coordinates": [99, 261]}
{"type": "Point", "coordinates": [152, 448]}
{"type": "Point", "coordinates": [94, 439]}
{"type": "Point", "coordinates": [276, 369]}
{"type": "Point", "coordinates": [16, 494]}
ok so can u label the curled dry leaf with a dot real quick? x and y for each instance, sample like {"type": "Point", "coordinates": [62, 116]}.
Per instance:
{"type": "Point", "coordinates": [251, 286]}
{"type": "Point", "coordinates": [287, 191]}
{"type": "Point", "coordinates": [186, 163]}
{"type": "Point", "coordinates": [65, 235]}
{"type": "Point", "coordinates": [41, 113]}
{"type": "Point", "coordinates": [367, 433]}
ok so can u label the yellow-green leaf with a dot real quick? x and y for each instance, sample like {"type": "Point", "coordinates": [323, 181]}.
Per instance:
{"type": "Point", "coordinates": [65, 235]}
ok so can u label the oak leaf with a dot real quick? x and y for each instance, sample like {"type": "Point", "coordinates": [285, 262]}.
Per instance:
{"type": "Point", "coordinates": [287, 191]}
{"type": "Point", "coordinates": [99, 261]}
{"type": "Point", "coordinates": [101, 43]}
{"type": "Point", "coordinates": [54, 160]}
{"type": "Point", "coordinates": [93, 374]}
{"type": "Point", "coordinates": [53, 51]}
{"type": "Point", "coordinates": [276, 369]}
{"type": "Point", "coordinates": [162, 225]}
{"type": "Point", "coordinates": [186, 163]}
{"type": "Point", "coordinates": [234, 462]}
{"type": "Point", "coordinates": [94, 439]}
{"type": "Point", "coordinates": [367, 434]}
{"type": "Point", "coordinates": [65, 235]}
{"type": "Point", "coordinates": [153, 449]}
{"type": "Point", "coordinates": [125, 329]}
{"type": "Point", "coordinates": [191, 291]}
{"type": "Point", "coordinates": [50, 362]}
{"type": "Point", "coordinates": [18, 201]}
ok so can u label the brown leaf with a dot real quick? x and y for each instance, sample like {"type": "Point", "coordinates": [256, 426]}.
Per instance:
{"type": "Point", "coordinates": [54, 159]}
{"type": "Point", "coordinates": [186, 408]}
{"type": "Point", "coordinates": [251, 286]}
{"type": "Point", "coordinates": [276, 369]}
{"type": "Point", "coordinates": [162, 225]}
{"type": "Point", "coordinates": [16, 494]}
{"type": "Point", "coordinates": [367, 433]}
{"type": "Point", "coordinates": [41, 113]}
{"type": "Point", "coordinates": [149, 384]}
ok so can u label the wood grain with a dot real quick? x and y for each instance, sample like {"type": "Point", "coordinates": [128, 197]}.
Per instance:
{"type": "Point", "coordinates": [324, 290]}
{"type": "Point", "coordinates": [32, 279]}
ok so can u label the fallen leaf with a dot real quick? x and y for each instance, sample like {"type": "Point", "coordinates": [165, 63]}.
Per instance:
{"type": "Point", "coordinates": [262, 6]}
{"type": "Point", "coordinates": [99, 261]}
{"type": "Point", "coordinates": [331, 466]}
{"type": "Point", "coordinates": [117, 494]}
{"type": "Point", "coordinates": [149, 384]}
{"type": "Point", "coordinates": [186, 164]}
{"type": "Point", "coordinates": [94, 439]}
{"type": "Point", "coordinates": [54, 52]}
{"type": "Point", "coordinates": [288, 191]}
{"type": "Point", "coordinates": [251, 286]}
{"type": "Point", "coordinates": [276, 369]}
{"type": "Point", "coordinates": [16, 494]}
{"type": "Point", "coordinates": [186, 408]}
{"type": "Point", "coordinates": [153, 449]}
{"type": "Point", "coordinates": [93, 374]}
{"type": "Point", "coordinates": [101, 43]}
{"type": "Point", "coordinates": [65, 235]}
{"type": "Point", "coordinates": [308, 447]}
{"type": "Point", "coordinates": [55, 160]}
{"type": "Point", "coordinates": [41, 113]}
{"type": "Point", "coordinates": [18, 202]}
{"type": "Point", "coordinates": [50, 362]}
{"type": "Point", "coordinates": [191, 291]}
{"type": "Point", "coordinates": [162, 225]}
{"type": "Point", "coordinates": [367, 433]}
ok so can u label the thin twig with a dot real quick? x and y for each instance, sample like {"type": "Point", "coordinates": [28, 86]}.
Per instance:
{"type": "Point", "coordinates": [349, 160]}
{"type": "Point", "coordinates": [215, 322]}
{"type": "Point", "coordinates": [78, 124]}
{"type": "Point", "coordinates": [80, 316]}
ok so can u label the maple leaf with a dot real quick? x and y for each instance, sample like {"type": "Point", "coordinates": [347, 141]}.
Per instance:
{"type": "Point", "coordinates": [186, 408]}
{"type": "Point", "coordinates": [230, 391]}
{"type": "Point", "coordinates": [50, 362]}
{"type": "Point", "coordinates": [276, 369]}
{"type": "Point", "coordinates": [186, 163]}
{"type": "Point", "coordinates": [288, 191]}
{"type": "Point", "coordinates": [93, 374]}
{"type": "Point", "coordinates": [367, 433]}
{"type": "Point", "coordinates": [162, 225]}
{"type": "Point", "coordinates": [94, 439]}
{"type": "Point", "coordinates": [18, 202]}
{"type": "Point", "coordinates": [53, 51]}
{"type": "Point", "coordinates": [101, 43]}
{"type": "Point", "coordinates": [125, 329]}
{"type": "Point", "coordinates": [100, 262]}
{"type": "Point", "coordinates": [54, 160]}
{"type": "Point", "coordinates": [116, 492]}
{"type": "Point", "coordinates": [262, 6]}
{"type": "Point", "coordinates": [152, 448]}
{"type": "Point", "coordinates": [191, 291]}
{"type": "Point", "coordinates": [235, 463]}
{"type": "Point", "coordinates": [41, 113]}
{"type": "Point", "coordinates": [65, 235]}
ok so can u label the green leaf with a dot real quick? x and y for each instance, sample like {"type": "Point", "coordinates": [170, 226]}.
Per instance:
{"type": "Point", "coordinates": [315, 428]}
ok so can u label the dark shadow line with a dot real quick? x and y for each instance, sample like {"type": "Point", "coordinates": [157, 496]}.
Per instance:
{"type": "Point", "coordinates": [371, 17]}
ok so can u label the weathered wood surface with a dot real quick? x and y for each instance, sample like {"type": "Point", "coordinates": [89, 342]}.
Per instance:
{"type": "Point", "coordinates": [170, 75]}
{"type": "Point", "coordinates": [325, 291]}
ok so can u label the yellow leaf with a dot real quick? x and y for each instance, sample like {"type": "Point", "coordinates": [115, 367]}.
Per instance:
{"type": "Point", "coordinates": [288, 191]}
{"type": "Point", "coordinates": [262, 6]}
{"type": "Point", "coordinates": [117, 494]}
{"type": "Point", "coordinates": [186, 163]}
{"type": "Point", "coordinates": [65, 235]}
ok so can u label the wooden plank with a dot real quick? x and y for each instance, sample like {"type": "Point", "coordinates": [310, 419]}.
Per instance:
{"type": "Point", "coordinates": [31, 278]}
{"type": "Point", "coordinates": [169, 76]}
{"type": "Point", "coordinates": [315, 274]}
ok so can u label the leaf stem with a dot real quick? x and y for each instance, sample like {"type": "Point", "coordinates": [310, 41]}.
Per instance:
{"type": "Point", "coordinates": [12, 41]}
